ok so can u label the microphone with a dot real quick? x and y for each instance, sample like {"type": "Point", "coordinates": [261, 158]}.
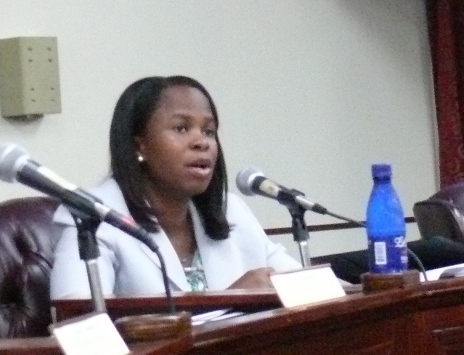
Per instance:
{"type": "Point", "coordinates": [17, 165]}
{"type": "Point", "coordinates": [251, 181]}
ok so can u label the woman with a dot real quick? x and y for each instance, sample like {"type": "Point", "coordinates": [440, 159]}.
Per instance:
{"type": "Point", "coordinates": [169, 174]}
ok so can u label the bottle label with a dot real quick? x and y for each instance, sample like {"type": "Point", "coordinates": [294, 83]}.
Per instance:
{"type": "Point", "coordinates": [387, 255]}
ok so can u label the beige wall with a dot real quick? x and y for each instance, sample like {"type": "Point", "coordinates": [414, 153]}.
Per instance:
{"type": "Point", "coordinates": [310, 91]}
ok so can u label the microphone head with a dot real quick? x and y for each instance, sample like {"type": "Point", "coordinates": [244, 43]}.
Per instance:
{"type": "Point", "coordinates": [245, 178]}
{"type": "Point", "coordinates": [12, 158]}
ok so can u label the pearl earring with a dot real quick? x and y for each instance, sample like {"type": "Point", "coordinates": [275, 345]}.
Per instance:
{"type": "Point", "coordinates": [140, 158]}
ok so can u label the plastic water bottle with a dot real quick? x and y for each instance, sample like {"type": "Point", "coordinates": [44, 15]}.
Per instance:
{"type": "Point", "coordinates": [386, 229]}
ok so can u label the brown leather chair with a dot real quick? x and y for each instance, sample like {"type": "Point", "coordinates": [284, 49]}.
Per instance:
{"type": "Point", "coordinates": [442, 214]}
{"type": "Point", "coordinates": [27, 238]}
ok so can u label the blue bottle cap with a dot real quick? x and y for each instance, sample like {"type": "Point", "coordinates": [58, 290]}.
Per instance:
{"type": "Point", "coordinates": [381, 170]}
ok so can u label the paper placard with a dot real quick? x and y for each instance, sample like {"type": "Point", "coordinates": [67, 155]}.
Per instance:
{"type": "Point", "coordinates": [307, 285]}
{"type": "Point", "coordinates": [93, 334]}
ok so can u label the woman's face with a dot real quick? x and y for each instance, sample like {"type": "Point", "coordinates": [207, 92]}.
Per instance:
{"type": "Point", "coordinates": [179, 144]}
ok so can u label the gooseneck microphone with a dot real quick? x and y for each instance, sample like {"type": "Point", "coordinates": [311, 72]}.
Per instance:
{"type": "Point", "coordinates": [17, 165]}
{"type": "Point", "coordinates": [251, 181]}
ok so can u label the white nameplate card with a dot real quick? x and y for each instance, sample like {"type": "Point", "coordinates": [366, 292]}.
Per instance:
{"type": "Point", "coordinates": [90, 335]}
{"type": "Point", "coordinates": [307, 285]}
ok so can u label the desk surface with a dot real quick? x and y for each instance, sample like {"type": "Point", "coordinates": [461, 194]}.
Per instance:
{"type": "Point", "coordinates": [49, 346]}
{"type": "Point", "coordinates": [424, 319]}
{"type": "Point", "coordinates": [427, 319]}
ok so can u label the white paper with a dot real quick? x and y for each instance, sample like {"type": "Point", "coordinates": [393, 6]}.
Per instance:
{"type": "Point", "coordinates": [95, 335]}
{"type": "Point", "coordinates": [214, 316]}
{"type": "Point", "coordinates": [307, 286]}
{"type": "Point", "coordinates": [434, 274]}
{"type": "Point", "coordinates": [203, 317]}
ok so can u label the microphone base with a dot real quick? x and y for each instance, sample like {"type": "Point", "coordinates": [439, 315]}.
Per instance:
{"type": "Point", "coordinates": [151, 327]}
{"type": "Point", "coordinates": [380, 282]}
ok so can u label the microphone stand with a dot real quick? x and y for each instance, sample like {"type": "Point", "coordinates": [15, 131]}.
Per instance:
{"type": "Point", "coordinates": [88, 251]}
{"type": "Point", "coordinates": [299, 228]}
{"type": "Point", "coordinates": [300, 233]}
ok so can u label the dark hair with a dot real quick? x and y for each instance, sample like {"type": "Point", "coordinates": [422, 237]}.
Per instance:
{"type": "Point", "coordinates": [130, 117]}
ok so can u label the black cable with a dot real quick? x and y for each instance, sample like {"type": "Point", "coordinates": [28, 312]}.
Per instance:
{"type": "Point", "coordinates": [172, 307]}
{"type": "Point", "coordinates": [359, 224]}
{"type": "Point", "coordinates": [418, 262]}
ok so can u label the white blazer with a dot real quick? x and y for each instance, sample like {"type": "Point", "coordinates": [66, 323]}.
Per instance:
{"type": "Point", "coordinates": [128, 267]}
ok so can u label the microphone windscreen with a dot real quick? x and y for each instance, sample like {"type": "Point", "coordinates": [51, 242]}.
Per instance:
{"type": "Point", "coordinates": [12, 158]}
{"type": "Point", "coordinates": [245, 178]}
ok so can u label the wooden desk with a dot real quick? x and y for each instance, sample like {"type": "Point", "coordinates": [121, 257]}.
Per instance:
{"type": "Point", "coordinates": [427, 319]}
{"type": "Point", "coordinates": [49, 346]}
{"type": "Point", "coordinates": [195, 302]}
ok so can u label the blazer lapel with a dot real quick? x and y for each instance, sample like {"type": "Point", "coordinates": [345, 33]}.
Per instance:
{"type": "Point", "coordinates": [173, 267]}
{"type": "Point", "coordinates": [219, 258]}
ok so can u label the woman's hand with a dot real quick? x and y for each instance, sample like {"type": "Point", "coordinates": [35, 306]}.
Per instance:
{"type": "Point", "coordinates": [257, 278]}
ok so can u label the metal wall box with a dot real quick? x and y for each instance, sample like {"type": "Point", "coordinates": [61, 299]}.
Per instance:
{"type": "Point", "coordinates": [29, 76]}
